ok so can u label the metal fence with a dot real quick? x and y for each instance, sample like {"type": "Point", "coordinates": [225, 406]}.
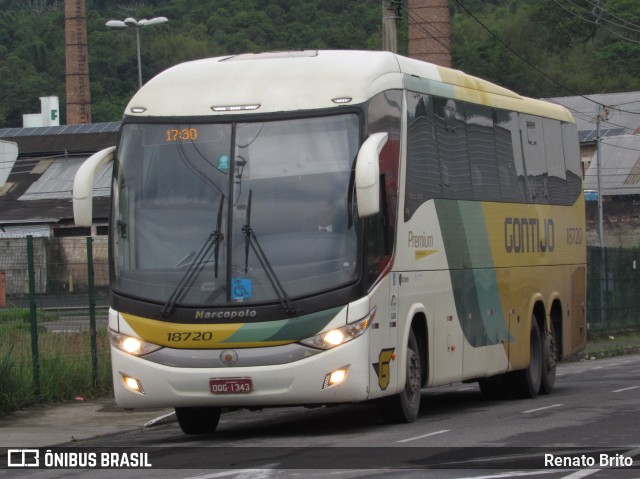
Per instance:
{"type": "Point", "coordinates": [613, 289]}
{"type": "Point", "coordinates": [53, 320]}
{"type": "Point", "coordinates": [54, 305]}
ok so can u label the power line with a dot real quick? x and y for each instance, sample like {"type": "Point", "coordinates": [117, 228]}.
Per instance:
{"type": "Point", "coordinates": [597, 22]}
{"type": "Point", "coordinates": [421, 24]}
{"type": "Point", "coordinates": [604, 10]}
{"type": "Point", "coordinates": [527, 62]}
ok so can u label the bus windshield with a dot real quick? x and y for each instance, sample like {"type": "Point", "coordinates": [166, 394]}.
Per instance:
{"type": "Point", "coordinates": [210, 214]}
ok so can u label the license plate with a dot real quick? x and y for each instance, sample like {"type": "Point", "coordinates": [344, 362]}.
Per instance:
{"type": "Point", "coordinates": [230, 385]}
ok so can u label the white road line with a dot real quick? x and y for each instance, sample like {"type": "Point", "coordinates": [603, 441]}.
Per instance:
{"type": "Point", "coordinates": [502, 475]}
{"type": "Point", "coordinates": [423, 436]}
{"type": "Point", "coordinates": [541, 408]}
{"type": "Point", "coordinates": [269, 471]}
{"type": "Point", "coordinates": [625, 389]}
{"type": "Point", "coordinates": [587, 472]}
{"type": "Point", "coordinates": [581, 473]}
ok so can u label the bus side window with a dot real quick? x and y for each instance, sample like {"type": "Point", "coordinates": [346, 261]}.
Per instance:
{"type": "Point", "coordinates": [482, 152]}
{"type": "Point", "coordinates": [555, 162]}
{"type": "Point", "coordinates": [423, 180]}
{"type": "Point", "coordinates": [509, 156]}
{"type": "Point", "coordinates": [451, 132]}
{"type": "Point", "coordinates": [572, 161]}
{"type": "Point", "coordinates": [383, 115]}
{"type": "Point", "coordinates": [534, 159]}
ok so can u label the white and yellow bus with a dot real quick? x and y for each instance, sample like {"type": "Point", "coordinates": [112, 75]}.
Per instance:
{"type": "Point", "coordinates": [321, 227]}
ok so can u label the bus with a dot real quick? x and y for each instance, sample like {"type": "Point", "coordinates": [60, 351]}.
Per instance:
{"type": "Point", "coordinates": [321, 227]}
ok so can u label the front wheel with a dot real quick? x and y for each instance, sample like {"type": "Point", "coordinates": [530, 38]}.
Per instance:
{"type": "Point", "coordinates": [404, 407]}
{"type": "Point", "coordinates": [198, 420]}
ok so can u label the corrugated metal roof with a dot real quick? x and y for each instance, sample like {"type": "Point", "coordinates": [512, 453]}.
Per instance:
{"type": "Point", "coordinates": [56, 139]}
{"type": "Point", "coordinates": [623, 116]}
{"type": "Point", "coordinates": [57, 181]}
{"type": "Point", "coordinates": [110, 127]}
{"type": "Point", "coordinates": [620, 168]}
{"type": "Point", "coordinates": [39, 187]}
{"type": "Point", "coordinates": [37, 231]}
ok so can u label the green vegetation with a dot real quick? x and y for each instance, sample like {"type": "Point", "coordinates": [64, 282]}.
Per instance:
{"type": "Point", "coordinates": [556, 38]}
{"type": "Point", "coordinates": [65, 366]}
{"type": "Point", "coordinates": [576, 55]}
{"type": "Point", "coordinates": [612, 343]}
{"type": "Point", "coordinates": [12, 314]}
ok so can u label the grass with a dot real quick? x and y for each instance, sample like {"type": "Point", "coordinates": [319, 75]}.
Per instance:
{"type": "Point", "coordinates": [65, 369]}
{"type": "Point", "coordinates": [10, 315]}
{"type": "Point", "coordinates": [606, 344]}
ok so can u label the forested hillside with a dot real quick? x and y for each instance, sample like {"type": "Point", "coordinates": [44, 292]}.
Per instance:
{"type": "Point", "coordinates": [536, 47]}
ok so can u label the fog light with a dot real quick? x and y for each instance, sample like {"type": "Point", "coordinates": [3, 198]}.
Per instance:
{"type": "Point", "coordinates": [335, 377]}
{"type": "Point", "coordinates": [133, 384]}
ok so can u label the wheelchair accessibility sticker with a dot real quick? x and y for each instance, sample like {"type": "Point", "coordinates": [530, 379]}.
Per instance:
{"type": "Point", "coordinates": [241, 288]}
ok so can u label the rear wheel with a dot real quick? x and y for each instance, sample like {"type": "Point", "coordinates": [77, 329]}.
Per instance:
{"type": "Point", "coordinates": [525, 383]}
{"type": "Point", "coordinates": [198, 420]}
{"type": "Point", "coordinates": [404, 407]}
{"type": "Point", "coordinates": [549, 359]}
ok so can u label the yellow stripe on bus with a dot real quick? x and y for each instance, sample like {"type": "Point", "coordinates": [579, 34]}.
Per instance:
{"type": "Point", "coordinates": [192, 336]}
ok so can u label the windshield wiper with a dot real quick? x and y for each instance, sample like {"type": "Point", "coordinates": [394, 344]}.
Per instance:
{"type": "Point", "coordinates": [197, 265]}
{"type": "Point", "coordinates": [252, 241]}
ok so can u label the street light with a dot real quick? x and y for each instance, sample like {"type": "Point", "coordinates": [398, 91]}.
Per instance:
{"type": "Point", "coordinates": [137, 24]}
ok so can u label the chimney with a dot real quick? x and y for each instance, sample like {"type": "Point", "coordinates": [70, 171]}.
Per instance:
{"type": "Point", "coordinates": [430, 31]}
{"type": "Point", "coordinates": [77, 55]}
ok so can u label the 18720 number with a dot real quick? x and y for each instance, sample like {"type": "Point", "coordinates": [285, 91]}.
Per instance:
{"type": "Point", "coordinates": [189, 336]}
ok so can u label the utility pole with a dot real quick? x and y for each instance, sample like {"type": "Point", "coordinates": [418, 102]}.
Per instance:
{"type": "Point", "coordinates": [601, 114]}
{"type": "Point", "coordinates": [389, 26]}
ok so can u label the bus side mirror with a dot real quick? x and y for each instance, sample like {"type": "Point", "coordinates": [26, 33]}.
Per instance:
{"type": "Point", "coordinates": [368, 175]}
{"type": "Point", "coordinates": [83, 186]}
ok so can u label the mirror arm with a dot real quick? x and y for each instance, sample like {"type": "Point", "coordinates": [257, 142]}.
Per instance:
{"type": "Point", "coordinates": [83, 186]}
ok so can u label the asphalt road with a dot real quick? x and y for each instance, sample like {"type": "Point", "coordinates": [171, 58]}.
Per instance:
{"type": "Point", "coordinates": [594, 410]}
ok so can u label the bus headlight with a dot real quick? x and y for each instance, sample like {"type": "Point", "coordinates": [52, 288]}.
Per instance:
{"type": "Point", "coordinates": [338, 336]}
{"type": "Point", "coordinates": [131, 345]}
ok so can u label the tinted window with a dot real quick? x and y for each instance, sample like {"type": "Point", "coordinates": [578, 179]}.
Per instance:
{"type": "Point", "coordinates": [423, 167]}
{"type": "Point", "coordinates": [451, 133]}
{"type": "Point", "coordinates": [482, 152]}
{"type": "Point", "coordinates": [509, 156]}
{"type": "Point", "coordinates": [572, 161]}
{"type": "Point", "coordinates": [462, 150]}
{"type": "Point", "coordinates": [534, 159]}
{"type": "Point", "coordinates": [555, 162]}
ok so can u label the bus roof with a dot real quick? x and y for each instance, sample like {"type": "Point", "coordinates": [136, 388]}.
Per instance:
{"type": "Point", "coordinates": [312, 79]}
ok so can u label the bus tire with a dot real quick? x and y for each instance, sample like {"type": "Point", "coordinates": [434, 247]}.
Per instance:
{"type": "Point", "coordinates": [198, 420]}
{"type": "Point", "coordinates": [404, 407]}
{"type": "Point", "coordinates": [525, 384]}
{"type": "Point", "coordinates": [549, 359]}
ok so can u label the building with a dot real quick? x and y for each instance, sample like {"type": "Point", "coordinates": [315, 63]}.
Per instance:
{"type": "Point", "coordinates": [614, 118]}
{"type": "Point", "coordinates": [36, 181]}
